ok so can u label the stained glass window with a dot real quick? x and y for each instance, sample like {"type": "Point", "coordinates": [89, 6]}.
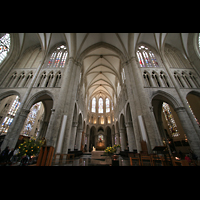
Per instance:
{"type": "Point", "coordinates": [193, 114]}
{"type": "Point", "coordinates": [100, 138]}
{"type": "Point", "coordinates": [153, 59]}
{"type": "Point", "coordinates": [107, 105]}
{"type": "Point", "coordinates": [144, 54]}
{"type": "Point", "coordinates": [58, 57]}
{"type": "Point", "coordinates": [100, 105]}
{"type": "Point", "coordinates": [30, 120]}
{"type": "Point", "coordinates": [4, 46]}
{"type": "Point", "coordinates": [9, 118]}
{"type": "Point", "coordinates": [170, 120]}
{"type": "Point", "coordinates": [62, 63]}
{"type": "Point", "coordinates": [94, 105]}
{"type": "Point", "coordinates": [51, 59]}
{"type": "Point", "coordinates": [139, 55]}
{"type": "Point", "coordinates": [199, 41]}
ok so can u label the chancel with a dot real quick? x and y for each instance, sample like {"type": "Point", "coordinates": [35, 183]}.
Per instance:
{"type": "Point", "coordinates": [102, 98]}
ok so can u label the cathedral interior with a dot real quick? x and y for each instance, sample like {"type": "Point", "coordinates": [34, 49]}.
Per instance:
{"type": "Point", "coordinates": [85, 90]}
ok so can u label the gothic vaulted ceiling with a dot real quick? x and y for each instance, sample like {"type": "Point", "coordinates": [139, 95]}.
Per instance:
{"type": "Point", "coordinates": [101, 66]}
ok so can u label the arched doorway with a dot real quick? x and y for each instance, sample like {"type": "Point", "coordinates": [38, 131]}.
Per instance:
{"type": "Point", "coordinates": [169, 125]}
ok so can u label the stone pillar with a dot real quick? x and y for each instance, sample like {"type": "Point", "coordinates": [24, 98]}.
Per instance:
{"type": "Point", "coordinates": [56, 119]}
{"type": "Point", "coordinates": [143, 104]}
{"type": "Point", "coordinates": [123, 138]}
{"type": "Point", "coordinates": [131, 136]}
{"type": "Point", "coordinates": [78, 139]}
{"type": "Point", "coordinates": [73, 136]}
{"type": "Point", "coordinates": [117, 138]}
{"type": "Point", "coordinates": [189, 130]}
{"type": "Point", "coordinates": [88, 142]}
{"type": "Point", "coordinates": [12, 136]}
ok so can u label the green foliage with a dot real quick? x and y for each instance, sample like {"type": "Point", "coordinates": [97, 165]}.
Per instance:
{"type": "Point", "coordinates": [30, 147]}
{"type": "Point", "coordinates": [111, 150]}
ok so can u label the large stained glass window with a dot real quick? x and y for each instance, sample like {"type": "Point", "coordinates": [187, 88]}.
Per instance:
{"type": "Point", "coordinates": [107, 105]}
{"type": "Point", "coordinates": [30, 120]}
{"type": "Point", "coordinates": [58, 57]}
{"type": "Point", "coordinates": [144, 54]}
{"type": "Point", "coordinates": [4, 46]}
{"type": "Point", "coordinates": [100, 105]}
{"type": "Point", "coordinates": [170, 120]}
{"type": "Point", "coordinates": [10, 116]}
{"type": "Point", "coordinates": [94, 105]}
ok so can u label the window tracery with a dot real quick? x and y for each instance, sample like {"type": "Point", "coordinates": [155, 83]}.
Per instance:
{"type": "Point", "coordinates": [4, 46]}
{"type": "Point", "coordinates": [58, 57]}
{"type": "Point", "coordinates": [170, 120]}
{"type": "Point", "coordinates": [100, 105]}
{"type": "Point", "coordinates": [30, 120]}
{"type": "Point", "coordinates": [107, 105]}
{"type": "Point", "coordinates": [144, 54]}
{"type": "Point", "coordinates": [94, 104]}
{"type": "Point", "coordinates": [10, 116]}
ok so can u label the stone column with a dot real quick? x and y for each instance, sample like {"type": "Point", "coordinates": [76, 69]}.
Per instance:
{"type": "Point", "coordinates": [12, 136]}
{"type": "Point", "coordinates": [117, 138]}
{"type": "Point", "coordinates": [131, 136]}
{"type": "Point", "coordinates": [143, 104]}
{"type": "Point", "coordinates": [189, 130]}
{"type": "Point", "coordinates": [56, 119]}
{"type": "Point", "coordinates": [78, 139]}
{"type": "Point", "coordinates": [88, 142]}
{"type": "Point", "coordinates": [123, 139]}
{"type": "Point", "coordinates": [73, 136]}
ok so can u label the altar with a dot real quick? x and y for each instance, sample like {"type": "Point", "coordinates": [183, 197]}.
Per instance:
{"type": "Point", "coordinates": [98, 154]}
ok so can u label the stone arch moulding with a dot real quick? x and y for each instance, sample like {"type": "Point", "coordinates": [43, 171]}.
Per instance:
{"type": "Point", "coordinates": [32, 100]}
{"type": "Point", "coordinates": [9, 93]}
{"type": "Point", "coordinates": [166, 97]}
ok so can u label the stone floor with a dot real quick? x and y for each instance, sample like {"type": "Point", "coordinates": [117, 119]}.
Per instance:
{"type": "Point", "coordinates": [87, 160]}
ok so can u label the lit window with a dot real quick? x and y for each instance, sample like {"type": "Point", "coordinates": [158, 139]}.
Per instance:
{"type": "Point", "coordinates": [58, 57]}
{"type": "Point", "coordinates": [144, 54]}
{"type": "Point", "coordinates": [100, 105]}
{"type": "Point", "coordinates": [10, 116]}
{"type": "Point", "coordinates": [107, 105]}
{"type": "Point", "coordinates": [170, 120]}
{"type": "Point", "coordinates": [4, 46]}
{"type": "Point", "coordinates": [94, 105]}
{"type": "Point", "coordinates": [30, 120]}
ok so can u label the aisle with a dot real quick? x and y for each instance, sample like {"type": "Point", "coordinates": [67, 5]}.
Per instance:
{"type": "Point", "coordinates": [86, 160]}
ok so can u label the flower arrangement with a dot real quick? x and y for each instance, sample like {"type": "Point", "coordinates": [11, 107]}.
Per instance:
{"type": "Point", "coordinates": [30, 147]}
{"type": "Point", "coordinates": [111, 150]}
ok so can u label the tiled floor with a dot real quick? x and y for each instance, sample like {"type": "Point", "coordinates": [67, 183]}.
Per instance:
{"type": "Point", "coordinates": [86, 160]}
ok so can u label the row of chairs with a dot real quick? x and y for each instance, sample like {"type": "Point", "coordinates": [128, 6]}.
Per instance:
{"type": "Point", "coordinates": [157, 160]}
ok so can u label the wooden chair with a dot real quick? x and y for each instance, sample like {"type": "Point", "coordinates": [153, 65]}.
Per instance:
{"type": "Point", "coordinates": [146, 158]}
{"type": "Point", "coordinates": [137, 158]}
{"type": "Point", "coordinates": [156, 159]}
